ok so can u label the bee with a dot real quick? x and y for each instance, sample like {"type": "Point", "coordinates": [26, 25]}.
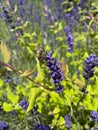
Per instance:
{"type": "Point", "coordinates": [41, 53]}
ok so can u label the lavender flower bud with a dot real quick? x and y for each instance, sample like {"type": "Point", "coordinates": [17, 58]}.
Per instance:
{"type": "Point", "coordinates": [23, 104]}
{"type": "Point", "coordinates": [3, 125]}
{"type": "Point", "coordinates": [9, 78]}
{"type": "Point", "coordinates": [68, 121]}
{"type": "Point", "coordinates": [90, 62]}
{"type": "Point", "coordinates": [69, 39]}
{"type": "Point", "coordinates": [41, 127]}
{"type": "Point", "coordinates": [94, 116]}
{"type": "Point", "coordinates": [6, 16]}
{"type": "Point", "coordinates": [55, 71]}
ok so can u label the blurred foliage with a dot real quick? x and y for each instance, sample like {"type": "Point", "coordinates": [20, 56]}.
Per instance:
{"type": "Point", "coordinates": [21, 50]}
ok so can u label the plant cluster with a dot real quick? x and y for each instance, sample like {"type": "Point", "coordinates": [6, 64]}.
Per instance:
{"type": "Point", "coordinates": [48, 65]}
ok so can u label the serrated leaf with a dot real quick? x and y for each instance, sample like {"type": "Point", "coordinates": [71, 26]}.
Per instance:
{"type": "Point", "coordinates": [7, 107]}
{"type": "Point", "coordinates": [34, 92]}
{"type": "Point", "coordinates": [27, 73]}
{"type": "Point", "coordinates": [5, 52]}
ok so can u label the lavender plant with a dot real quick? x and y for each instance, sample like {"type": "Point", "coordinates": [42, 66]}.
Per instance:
{"type": "Point", "coordinates": [3, 125]}
{"type": "Point", "coordinates": [91, 62]}
{"type": "Point", "coordinates": [68, 121]}
{"type": "Point", "coordinates": [94, 116]}
{"type": "Point", "coordinates": [55, 72]}
{"type": "Point", "coordinates": [69, 39]}
{"type": "Point", "coordinates": [48, 86]}
{"type": "Point", "coordinates": [41, 127]}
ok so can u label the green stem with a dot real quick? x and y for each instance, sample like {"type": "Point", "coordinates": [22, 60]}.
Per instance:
{"type": "Point", "coordinates": [71, 109]}
{"type": "Point", "coordinates": [18, 72]}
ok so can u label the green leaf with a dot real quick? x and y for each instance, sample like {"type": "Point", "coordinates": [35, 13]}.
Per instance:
{"type": "Point", "coordinates": [61, 120]}
{"type": "Point", "coordinates": [60, 39]}
{"type": "Point", "coordinates": [60, 26]}
{"type": "Point", "coordinates": [33, 34]}
{"type": "Point", "coordinates": [34, 92]}
{"type": "Point", "coordinates": [68, 54]}
{"type": "Point", "coordinates": [56, 98]}
{"type": "Point", "coordinates": [28, 36]}
{"type": "Point", "coordinates": [7, 107]}
{"type": "Point", "coordinates": [27, 73]}
{"type": "Point", "coordinates": [1, 82]}
{"type": "Point", "coordinates": [5, 52]}
{"type": "Point", "coordinates": [40, 75]}
{"type": "Point", "coordinates": [56, 110]}
{"type": "Point", "coordinates": [13, 98]}
{"type": "Point", "coordinates": [25, 24]}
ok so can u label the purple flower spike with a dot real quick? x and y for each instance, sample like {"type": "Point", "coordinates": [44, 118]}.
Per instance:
{"type": "Point", "coordinates": [90, 62]}
{"type": "Point", "coordinates": [68, 121]}
{"type": "Point", "coordinates": [3, 125]}
{"type": "Point", "coordinates": [23, 104]}
{"type": "Point", "coordinates": [94, 116]}
{"type": "Point", "coordinates": [41, 127]}
{"type": "Point", "coordinates": [69, 39]}
{"type": "Point", "coordinates": [55, 72]}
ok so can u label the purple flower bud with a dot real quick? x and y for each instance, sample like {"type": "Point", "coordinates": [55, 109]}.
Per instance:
{"type": "Point", "coordinates": [69, 39]}
{"type": "Point", "coordinates": [41, 127]}
{"type": "Point", "coordinates": [23, 104]}
{"type": "Point", "coordinates": [3, 125]}
{"type": "Point", "coordinates": [9, 78]}
{"type": "Point", "coordinates": [91, 61]}
{"type": "Point", "coordinates": [55, 71]}
{"type": "Point", "coordinates": [68, 121]}
{"type": "Point", "coordinates": [94, 116]}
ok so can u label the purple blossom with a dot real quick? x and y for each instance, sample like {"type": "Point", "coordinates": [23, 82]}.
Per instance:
{"type": "Point", "coordinates": [59, 88]}
{"type": "Point", "coordinates": [69, 39]}
{"type": "Point", "coordinates": [75, 12]}
{"type": "Point", "coordinates": [21, 2]}
{"type": "Point", "coordinates": [58, 14]}
{"type": "Point", "coordinates": [9, 78]}
{"type": "Point", "coordinates": [41, 127]}
{"type": "Point", "coordinates": [48, 3]}
{"type": "Point", "coordinates": [90, 62]}
{"type": "Point", "coordinates": [68, 121]}
{"type": "Point", "coordinates": [23, 104]}
{"type": "Point", "coordinates": [44, 26]}
{"type": "Point", "coordinates": [21, 12]}
{"type": "Point", "coordinates": [55, 71]}
{"type": "Point", "coordinates": [16, 80]}
{"type": "Point", "coordinates": [82, 4]}
{"type": "Point", "coordinates": [94, 116]}
{"type": "Point", "coordinates": [6, 16]}
{"type": "Point", "coordinates": [14, 113]}
{"type": "Point", "coordinates": [72, 17]}
{"type": "Point", "coordinates": [12, 6]}
{"type": "Point", "coordinates": [3, 125]}
{"type": "Point", "coordinates": [31, 9]}
{"type": "Point", "coordinates": [49, 16]}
